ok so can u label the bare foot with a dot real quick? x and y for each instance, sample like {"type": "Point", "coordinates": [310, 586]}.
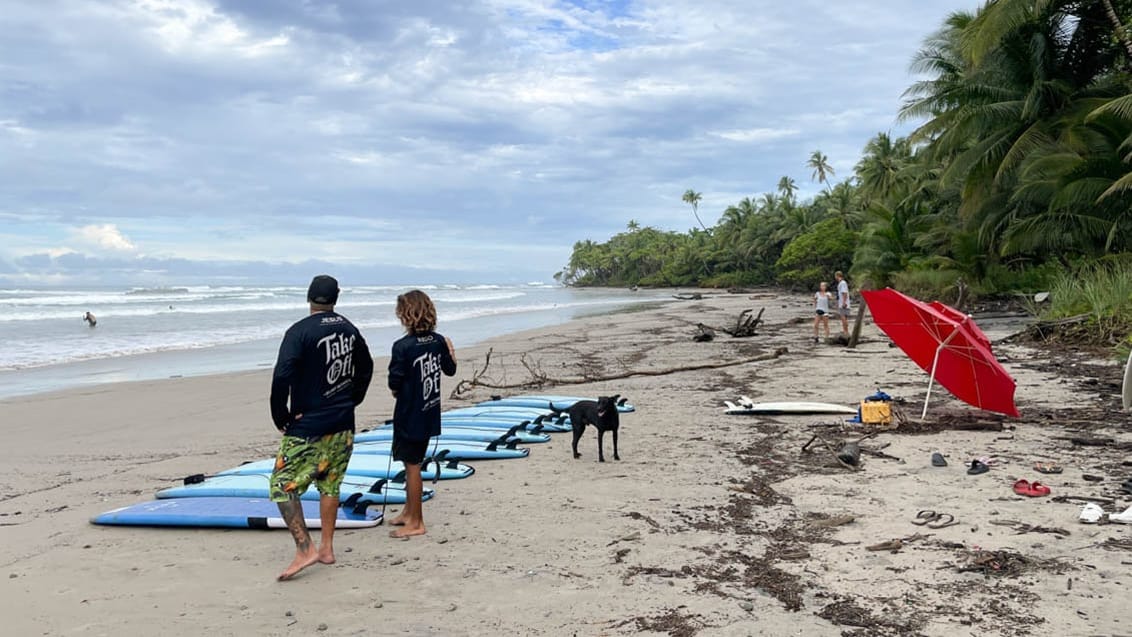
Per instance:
{"type": "Point", "coordinates": [326, 555]}
{"type": "Point", "coordinates": [407, 532]}
{"type": "Point", "coordinates": [398, 521]}
{"type": "Point", "coordinates": [302, 560]}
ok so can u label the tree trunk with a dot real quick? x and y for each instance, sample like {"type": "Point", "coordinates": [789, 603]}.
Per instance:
{"type": "Point", "coordinates": [1118, 27]}
{"type": "Point", "coordinates": [856, 336]}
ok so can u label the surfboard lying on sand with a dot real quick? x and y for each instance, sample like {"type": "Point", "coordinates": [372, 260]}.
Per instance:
{"type": "Point", "coordinates": [784, 408]}
{"type": "Point", "coordinates": [1127, 393]}
{"type": "Point", "coordinates": [543, 401]}
{"type": "Point", "coordinates": [454, 433]}
{"type": "Point", "coordinates": [231, 513]}
{"type": "Point", "coordinates": [452, 450]}
{"type": "Point", "coordinates": [355, 489]}
{"type": "Point", "coordinates": [503, 411]}
{"type": "Point", "coordinates": [504, 422]}
{"type": "Point", "coordinates": [369, 466]}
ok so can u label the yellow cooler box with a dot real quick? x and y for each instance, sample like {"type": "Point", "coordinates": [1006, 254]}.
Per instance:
{"type": "Point", "coordinates": [876, 412]}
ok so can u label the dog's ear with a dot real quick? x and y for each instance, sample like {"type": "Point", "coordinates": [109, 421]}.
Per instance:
{"type": "Point", "coordinates": [615, 398]}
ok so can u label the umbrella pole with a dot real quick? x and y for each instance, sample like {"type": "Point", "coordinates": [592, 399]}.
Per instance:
{"type": "Point", "coordinates": [935, 361]}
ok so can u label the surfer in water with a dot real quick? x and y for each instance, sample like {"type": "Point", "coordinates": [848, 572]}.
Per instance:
{"type": "Point", "coordinates": [89, 318]}
{"type": "Point", "coordinates": [324, 368]}
{"type": "Point", "coordinates": [414, 378]}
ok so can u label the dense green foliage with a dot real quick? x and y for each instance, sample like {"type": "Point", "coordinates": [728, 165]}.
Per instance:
{"type": "Point", "coordinates": [1020, 168]}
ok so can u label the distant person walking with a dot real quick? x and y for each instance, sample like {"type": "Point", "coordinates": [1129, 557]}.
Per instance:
{"type": "Point", "coordinates": [821, 309]}
{"type": "Point", "coordinates": [90, 320]}
{"type": "Point", "coordinates": [417, 361]}
{"type": "Point", "coordinates": [843, 301]}
{"type": "Point", "coordinates": [325, 368]}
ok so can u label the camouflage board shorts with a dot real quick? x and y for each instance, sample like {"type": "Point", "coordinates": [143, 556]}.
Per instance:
{"type": "Point", "coordinates": [302, 461]}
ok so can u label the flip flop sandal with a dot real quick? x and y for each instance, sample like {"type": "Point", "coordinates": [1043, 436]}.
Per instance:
{"type": "Point", "coordinates": [924, 517]}
{"type": "Point", "coordinates": [1037, 489]}
{"type": "Point", "coordinates": [939, 522]}
{"type": "Point", "coordinates": [1022, 487]}
{"type": "Point", "coordinates": [938, 460]}
{"type": "Point", "coordinates": [1091, 478]}
{"type": "Point", "coordinates": [1044, 467]}
{"type": "Point", "coordinates": [977, 467]}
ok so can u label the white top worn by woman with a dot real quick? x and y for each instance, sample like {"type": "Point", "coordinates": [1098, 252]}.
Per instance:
{"type": "Point", "coordinates": [822, 302]}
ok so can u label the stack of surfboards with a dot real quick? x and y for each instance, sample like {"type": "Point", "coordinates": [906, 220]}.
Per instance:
{"type": "Point", "coordinates": [239, 497]}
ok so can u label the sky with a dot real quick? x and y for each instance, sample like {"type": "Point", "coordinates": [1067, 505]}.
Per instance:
{"type": "Point", "coordinates": [187, 141]}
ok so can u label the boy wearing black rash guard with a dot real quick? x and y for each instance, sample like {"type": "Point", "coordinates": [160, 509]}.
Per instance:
{"type": "Point", "coordinates": [325, 368]}
{"type": "Point", "coordinates": [415, 366]}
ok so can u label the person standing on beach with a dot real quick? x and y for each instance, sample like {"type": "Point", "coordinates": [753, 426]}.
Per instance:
{"type": "Point", "coordinates": [325, 368]}
{"type": "Point", "coordinates": [843, 302]}
{"type": "Point", "coordinates": [417, 361]}
{"type": "Point", "coordinates": [821, 309]}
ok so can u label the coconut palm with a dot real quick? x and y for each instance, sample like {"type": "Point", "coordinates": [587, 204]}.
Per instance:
{"type": "Point", "coordinates": [692, 198]}
{"type": "Point", "coordinates": [820, 164]}
{"type": "Point", "coordinates": [787, 187]}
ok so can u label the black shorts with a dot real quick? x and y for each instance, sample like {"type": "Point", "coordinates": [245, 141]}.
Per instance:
{"type": "Point", "coordinates": [820, 312]}
{"type": "Point", "coordinates": [409, 451]}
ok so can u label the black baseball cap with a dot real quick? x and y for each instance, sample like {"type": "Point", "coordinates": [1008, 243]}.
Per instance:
{"type": "Point", "coordinates": [323, 290]}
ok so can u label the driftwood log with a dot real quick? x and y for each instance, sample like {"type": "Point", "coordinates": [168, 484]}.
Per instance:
{"type": "Point", "coordinates": [538, 378]}
{"type": "Point", "coordinates": [696, 296]}
{"type": "Point", "coordinates": [705, 335]}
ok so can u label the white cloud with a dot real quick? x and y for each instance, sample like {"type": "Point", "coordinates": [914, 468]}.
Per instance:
{"type": "Point", "coordinates": [104, 237]}
{"type": "Point", "coordinates": [756, 134]}
{"type": "Point", "coordinates": [214, 127]}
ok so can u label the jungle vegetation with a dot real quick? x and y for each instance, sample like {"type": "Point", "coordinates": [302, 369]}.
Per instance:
{"type": "Point", "coordinates": [1017, 176]}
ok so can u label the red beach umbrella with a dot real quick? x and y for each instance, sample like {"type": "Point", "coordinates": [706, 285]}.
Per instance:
{"type": "Point", "coordinates": [947, 344]}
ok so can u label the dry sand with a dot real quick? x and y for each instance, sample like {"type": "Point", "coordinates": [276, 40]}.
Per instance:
{"type": "Point", "coordinates": [707, 525]}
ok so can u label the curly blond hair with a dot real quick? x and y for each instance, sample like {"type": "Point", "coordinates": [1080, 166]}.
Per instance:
{"type": "Point", "coordinates": [416, 312]}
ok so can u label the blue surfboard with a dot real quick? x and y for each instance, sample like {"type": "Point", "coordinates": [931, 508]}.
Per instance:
{"type": "Point", "coordinates": [544, 401]}
{"type": "Point", "coordinates": [455, 433]}
{"type": "Point", "coordinates": [354, 490]}
{"type": "Point", "coordinates": [503, 411]}
{"type": "Point", "coordinates": [231, 513]}
{"type": "Point", "coordinates": [370, 466]}
{"type": "Point", "coordinates": [504, 422]}
{"type": "Point", "coordinates": [453, 450]}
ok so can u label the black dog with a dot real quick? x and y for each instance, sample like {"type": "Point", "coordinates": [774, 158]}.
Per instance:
{"type": "Point", "coordinates": [601, 414]}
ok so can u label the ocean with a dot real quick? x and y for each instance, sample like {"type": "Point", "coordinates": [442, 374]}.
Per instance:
{"type": "Point", "coordinates": [174, 331]}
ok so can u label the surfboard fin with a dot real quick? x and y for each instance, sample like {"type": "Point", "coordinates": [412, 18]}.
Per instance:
{"type": "Point", "coordinates": [196, 478]}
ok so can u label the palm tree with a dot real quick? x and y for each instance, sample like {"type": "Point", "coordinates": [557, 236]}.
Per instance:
{"type": "Point", "coordinates": [822, 170]}
{"type": "Point", "coordinates": [787, 186]}
{"type": "Point", "coordinates": [692, 198]}
{"type": "Point", "coordinates": [881, 166]}
{"type": "Point", "coordinates": [1000, 18]}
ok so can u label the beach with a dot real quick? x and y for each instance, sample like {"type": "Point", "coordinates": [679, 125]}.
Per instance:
{"type": "Point", "coordinates": [709, 525]}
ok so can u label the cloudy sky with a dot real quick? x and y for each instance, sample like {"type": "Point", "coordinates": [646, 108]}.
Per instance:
{"type": "Point", "coordinates": [185, 140]}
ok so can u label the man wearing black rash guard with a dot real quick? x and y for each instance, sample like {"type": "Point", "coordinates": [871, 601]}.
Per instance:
{"type": "Point", "coordinates": [325, 368]}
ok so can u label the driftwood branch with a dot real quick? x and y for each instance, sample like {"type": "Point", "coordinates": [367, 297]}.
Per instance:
{"type": "Point", "coordinates": [745, 325]}
{"type": "Point", "coordinates": [538, 378]}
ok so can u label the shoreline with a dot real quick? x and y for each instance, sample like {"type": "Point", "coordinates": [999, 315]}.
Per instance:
{"type": "Point", "coordinates": [709, 525]}
{"type": "Point", "coordinates": [84, 375]}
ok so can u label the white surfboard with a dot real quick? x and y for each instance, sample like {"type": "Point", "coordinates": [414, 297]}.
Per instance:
{"type": "Point", "coordinates": [1128, 384]}
{"type": "Point", "coordinates": [788, 408]}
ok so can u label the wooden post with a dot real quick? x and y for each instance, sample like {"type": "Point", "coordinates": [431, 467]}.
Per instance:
{"type": "Point", "coordinates": [856, 335]}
